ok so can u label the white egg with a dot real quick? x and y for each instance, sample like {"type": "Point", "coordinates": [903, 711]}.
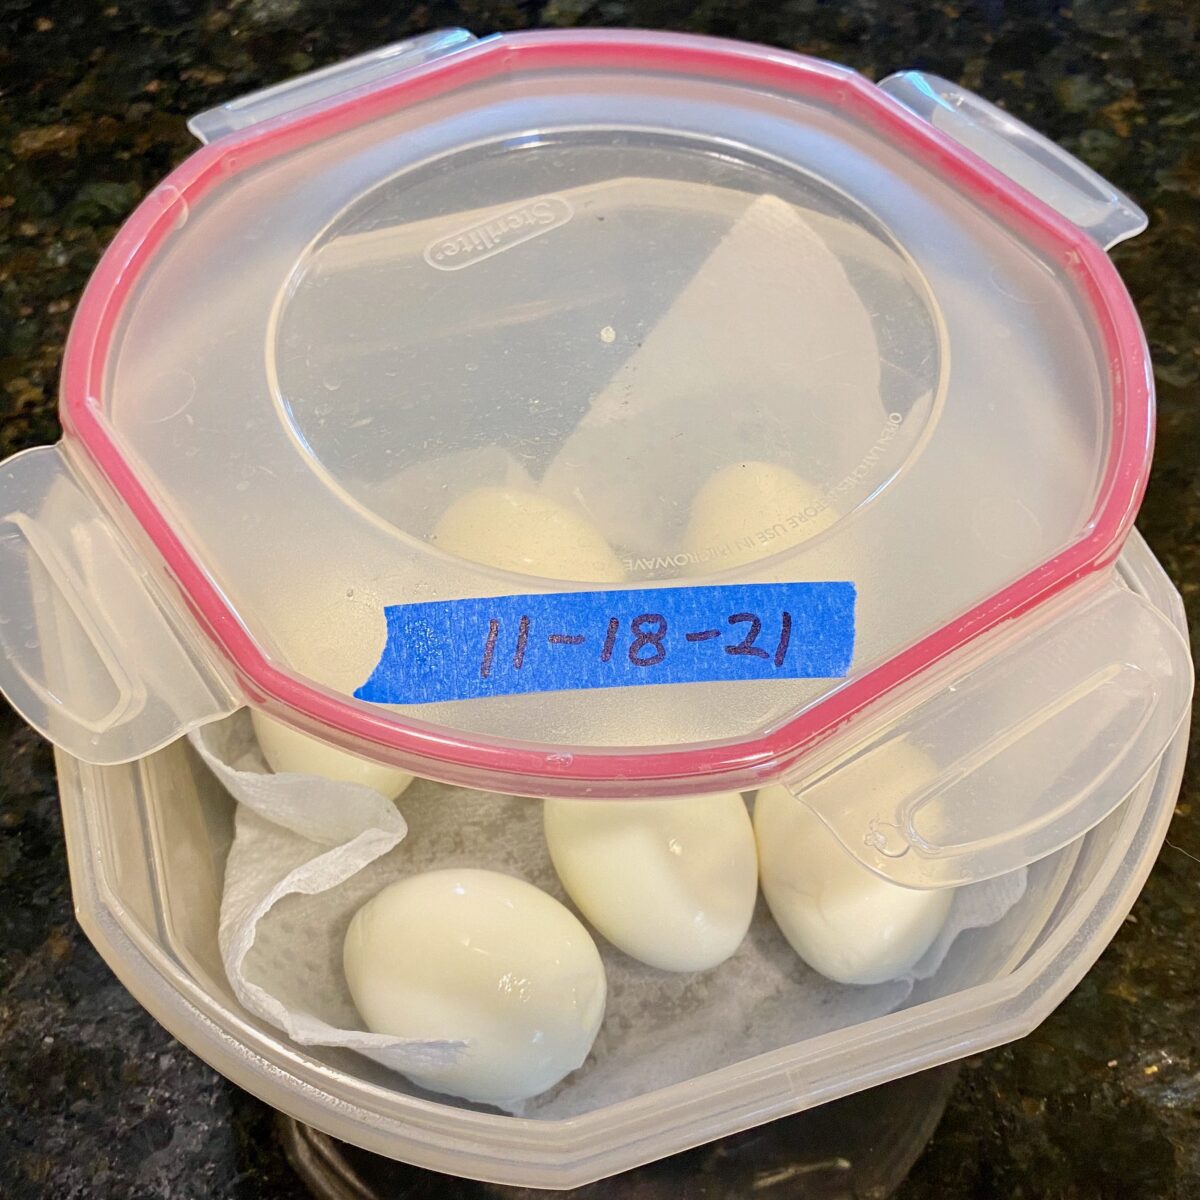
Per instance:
{"type": "Point", "coordinates": [672, 883]}
{"type": "Point", "coordinates": [749, 510]}
{"type": "Point", "coordinates": [477, 956]}
{"type": "Point", "coordinates": [839, 916]}
{"type": "Point", "coordinates": [522, 531]}
{"type": "Point", "coordinates": [287, 750]}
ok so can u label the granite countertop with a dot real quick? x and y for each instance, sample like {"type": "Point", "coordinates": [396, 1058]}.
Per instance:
{"type": "Point", "coordinates": [97, 1100]}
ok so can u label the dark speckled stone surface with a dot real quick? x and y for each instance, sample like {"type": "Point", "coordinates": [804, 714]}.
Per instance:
{"type": "Point", "coordinates": [95, 1099]}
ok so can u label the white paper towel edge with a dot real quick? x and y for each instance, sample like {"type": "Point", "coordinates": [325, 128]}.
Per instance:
{"type": "Point", "coordinates": [372, 825]}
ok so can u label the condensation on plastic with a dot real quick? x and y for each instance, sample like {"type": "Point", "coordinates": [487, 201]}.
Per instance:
{"type": "Point", "coordinates": [146, 845]}
{"type": "Point", "coordinates": [91, 655]}
{"type": "Point", "coordinates": [1024, 155]}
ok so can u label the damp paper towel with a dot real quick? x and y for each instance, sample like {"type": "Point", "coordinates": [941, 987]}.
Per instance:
{"type": "Point", "coordinates": [308, 852]}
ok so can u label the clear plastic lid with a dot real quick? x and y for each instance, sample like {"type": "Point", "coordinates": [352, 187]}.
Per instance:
{"type": "Point", "coordinates": [552, 313]}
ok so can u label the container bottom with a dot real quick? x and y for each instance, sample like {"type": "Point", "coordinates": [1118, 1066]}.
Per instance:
{"type": "Point", "coordinates": [863, 1145]}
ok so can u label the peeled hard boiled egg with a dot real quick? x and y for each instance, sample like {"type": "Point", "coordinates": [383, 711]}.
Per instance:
{"type": "Point", "coordinates": [522, 531]}
{"type": "Point", "coordinates": [286, 750]}
{"type": "Point", "coordinates": [839, 916]}
{"type": "Point", "coordinates": [672, 883]}
{"type": "Point", "coordinates": [749, 510]}
{"type": "Point", "coordinates": [477, 956]}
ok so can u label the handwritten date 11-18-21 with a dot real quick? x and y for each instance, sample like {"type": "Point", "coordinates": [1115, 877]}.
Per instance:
{"type": "Point", "coordinates": [647, 639]}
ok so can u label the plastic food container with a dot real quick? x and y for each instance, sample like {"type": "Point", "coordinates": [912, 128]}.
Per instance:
{"type": "Point", "coordinates": [612, 269]}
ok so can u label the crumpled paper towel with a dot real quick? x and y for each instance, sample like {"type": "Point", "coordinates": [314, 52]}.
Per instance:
{"type": "Point", "coordinates": [307, 853]}
{"type": "Point", "coordinates": [297, 837]}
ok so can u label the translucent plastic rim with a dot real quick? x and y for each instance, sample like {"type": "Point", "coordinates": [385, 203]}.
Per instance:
{"type": "Point", "coordinates": [1082, 260]}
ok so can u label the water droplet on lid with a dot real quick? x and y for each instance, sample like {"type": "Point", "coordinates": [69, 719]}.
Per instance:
{"type": "Point", "coordinates": [887, 839]}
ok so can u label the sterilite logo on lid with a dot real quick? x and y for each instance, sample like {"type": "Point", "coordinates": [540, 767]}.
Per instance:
{"type": "Point", "coordinates": [483, 239]}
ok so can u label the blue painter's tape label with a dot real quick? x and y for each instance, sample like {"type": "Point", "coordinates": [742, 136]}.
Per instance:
{"type": "Point", "coordinates": [564, 641]}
